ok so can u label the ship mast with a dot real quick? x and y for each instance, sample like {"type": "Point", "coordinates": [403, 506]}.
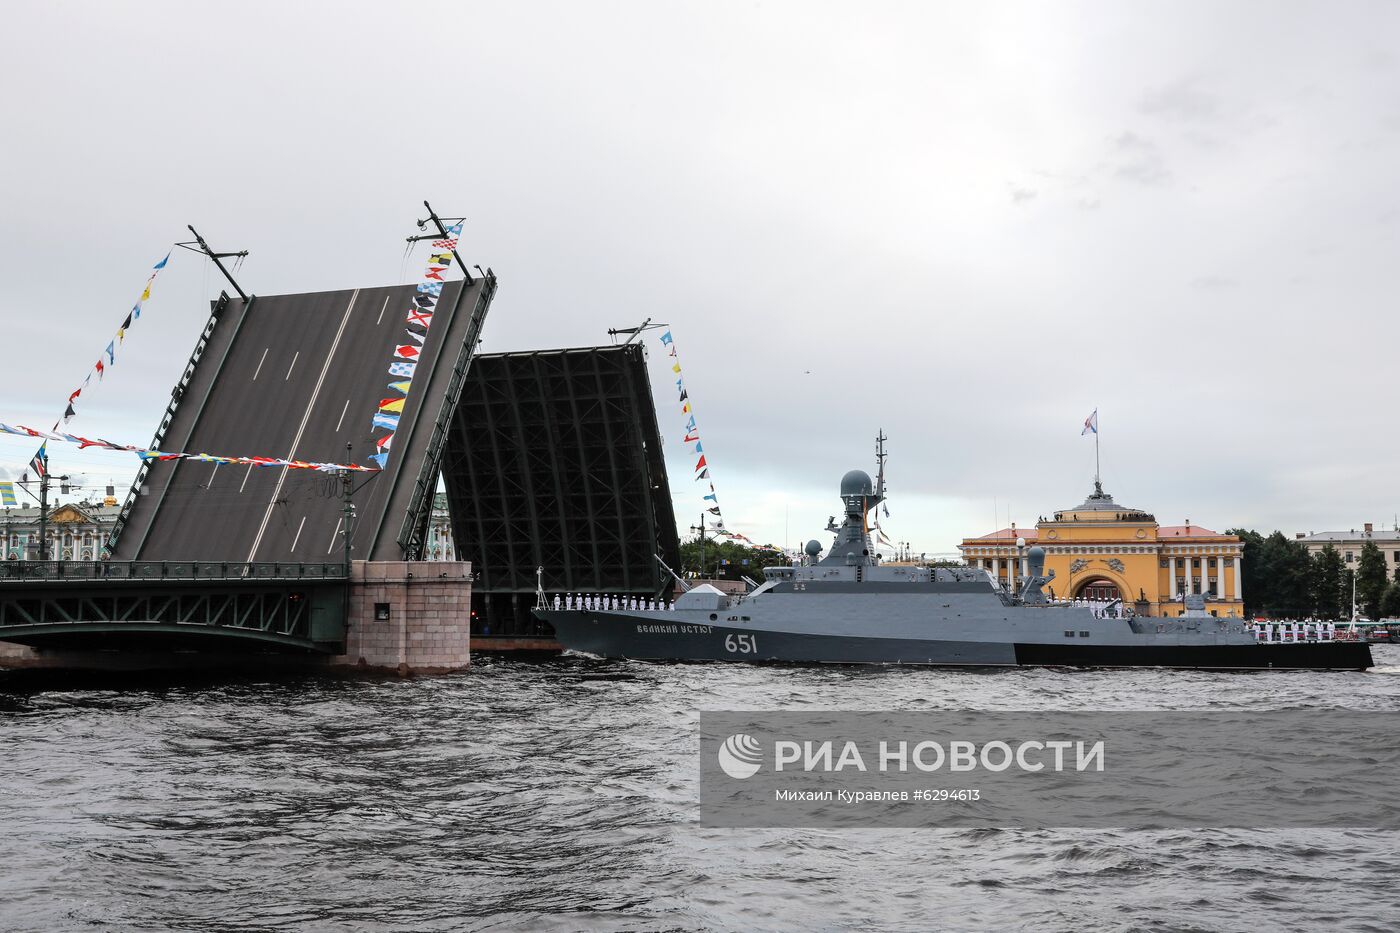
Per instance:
{"type": "Point", "coordinates": [880, 456]}
{"type": "Point", "coordinates": [879, 497]}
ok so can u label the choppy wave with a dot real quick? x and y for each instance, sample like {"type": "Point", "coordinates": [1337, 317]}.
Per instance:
{"type": "Point", "coordinates": [562, 795]}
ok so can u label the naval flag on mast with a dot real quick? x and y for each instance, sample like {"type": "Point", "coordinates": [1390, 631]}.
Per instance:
{"type": "Point", "coordinates": [1091, 426]}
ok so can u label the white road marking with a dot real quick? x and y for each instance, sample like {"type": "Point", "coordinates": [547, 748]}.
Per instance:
{"type": "Point", "coordinates": [342, 416]}
{"type": "Point", "coordinates": [290, 368]}
{"type": "Point", "coordinates": [381, 311]}
{"type": "Point", "coordinates": [245, 478]}
{"type": "Point", "coordinates": [338, 523]}
{"type": "Point", "coordinates": [260, 362]}
{"type": "Point", "coordinates": [301, 429]}
{"type": "Point", "coordinates": [298, 534]}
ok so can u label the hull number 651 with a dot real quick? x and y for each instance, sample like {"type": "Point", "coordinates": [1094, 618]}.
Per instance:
{"type": "Point", "coordinates": [741, 644]}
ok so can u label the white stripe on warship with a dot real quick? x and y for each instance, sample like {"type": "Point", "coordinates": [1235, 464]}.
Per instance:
{"type": "Point", "coordinates": [849, 608]}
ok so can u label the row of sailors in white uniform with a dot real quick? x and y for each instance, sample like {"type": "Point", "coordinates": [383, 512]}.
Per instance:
{"type": "Point", "coordinates": [593, 601]}
{"type": "Point", "coordinates": [1099, 608]}
{"type": "Point", "coordinates": [1295, 631]}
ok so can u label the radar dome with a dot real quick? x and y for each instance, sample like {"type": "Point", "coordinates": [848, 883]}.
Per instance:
{"type": "Point", "coordinates": [813, 548]}
{"type": "Point", "coordinates": [857, 483]}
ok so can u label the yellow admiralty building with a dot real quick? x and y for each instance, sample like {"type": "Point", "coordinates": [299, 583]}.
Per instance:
{"type": "Point", "coordinates": [1101, 550]}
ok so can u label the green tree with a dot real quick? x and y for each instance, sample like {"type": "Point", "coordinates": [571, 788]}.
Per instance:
{"type": "Point", "coordinates": [1370, 580]}
{"type": "Point", "coordinates": [1289, 572]}
{"type": "Point", "coordinates": [1257, 594]}
{"type": "Point", "coordinates": [727, 560]}
{"type": "Point", "coordinates": [1327, 575]}
{"type": "Point", "coordinates": [1390, 601]}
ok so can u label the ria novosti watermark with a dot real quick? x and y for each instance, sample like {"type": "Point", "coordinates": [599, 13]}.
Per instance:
{"type": "Point", "coordinates": [962, 768]}
{"type": "Point", "coordinates": [740, 756]}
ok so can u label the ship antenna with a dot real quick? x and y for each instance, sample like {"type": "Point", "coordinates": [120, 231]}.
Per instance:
{"type": "Point", "coordinates": [880, 456]}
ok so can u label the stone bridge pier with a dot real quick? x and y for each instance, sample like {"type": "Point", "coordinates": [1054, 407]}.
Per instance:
{"type": "Point", "coordinates": [410, 617]}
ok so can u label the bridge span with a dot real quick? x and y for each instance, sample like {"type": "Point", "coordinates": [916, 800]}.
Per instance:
{"type": "Point", "coordinates": [212, 564]}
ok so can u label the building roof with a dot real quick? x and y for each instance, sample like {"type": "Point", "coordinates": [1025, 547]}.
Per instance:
{"type": "Point", "coordinates": [1108, 513]}
{"type": "Point", "coordinates": [1099, 501]}
{"type": "Point", "coordinates": [31, 512]}
{"type": "Point", "coordinates": [1101, 508]}
{"type": "Point", "coordinates": [1187, 531]}
{"type": "Point", "coordinates": [1165, 531]}
{"type": "Point", "coordinates": [1009, 534]}
{"type": "Point", "coordinates": [1322, 537]}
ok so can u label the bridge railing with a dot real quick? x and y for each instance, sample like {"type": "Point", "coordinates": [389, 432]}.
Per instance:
{"type": "Point", "coordinates": [114, 570]}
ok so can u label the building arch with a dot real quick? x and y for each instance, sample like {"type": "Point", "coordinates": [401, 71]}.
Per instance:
{"type": "Point", "coordinates": [1100, 580]}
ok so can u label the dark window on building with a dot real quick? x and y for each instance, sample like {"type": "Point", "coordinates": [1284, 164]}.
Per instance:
{"type": "Point", "coordinates": [1069, 634]}
{"type": "Point", "coordinates": [381, 612]}
{"type": "Point", "coordinates": [1162, 563]}
{"type": "Point", "coordinates": [1349, 558]}
{"type": "Point", "coordinates": [1083, 634]}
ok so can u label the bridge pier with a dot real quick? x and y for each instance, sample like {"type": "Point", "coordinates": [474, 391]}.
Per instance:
{"type": "Point", "coordinates": [12, 655]}
{"type": "Point", "coordinates": [409, 617]}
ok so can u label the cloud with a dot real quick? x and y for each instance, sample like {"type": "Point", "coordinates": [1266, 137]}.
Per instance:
{"type": "Point", "coordinates": [1184, 101]}
{"type": "Point", "coordinates": [1020, 195]}
{"type": "Point", "coordinates": [1214, 283]}
{"type": "Point", "coordinates": [1139, 160]}
{"type": "Point", "coordinates": [741, 175]}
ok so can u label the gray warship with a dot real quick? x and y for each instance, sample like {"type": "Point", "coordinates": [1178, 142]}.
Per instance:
{"type": "Point", "coordinates": [849, 608]}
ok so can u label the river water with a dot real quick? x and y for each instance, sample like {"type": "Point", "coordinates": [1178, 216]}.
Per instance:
{"type": "Point", "coordinates": [562, 795]}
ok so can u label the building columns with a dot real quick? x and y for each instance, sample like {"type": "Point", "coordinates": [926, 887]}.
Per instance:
{"type": "Point", "coordinates": [1220, 577]}
{"type": "Point", "coordinates": [996, 570]}
{"type": "Point", "coordinates": [1190, 583]}
{"type": "Point", "coordinates": [1172, 573]}
{"type": "Point", "coordinates": [1239, 581]}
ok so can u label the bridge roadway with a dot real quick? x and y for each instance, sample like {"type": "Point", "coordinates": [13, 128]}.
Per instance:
{"type": "Point", "coordinates": [300, 377]}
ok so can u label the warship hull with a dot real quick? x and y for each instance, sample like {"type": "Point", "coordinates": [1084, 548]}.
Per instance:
{"type": "Point", "coordinates": [661, 636]}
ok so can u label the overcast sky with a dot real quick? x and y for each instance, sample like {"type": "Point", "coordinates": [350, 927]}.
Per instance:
{"type": "Point", "coordinates": [966, 224]}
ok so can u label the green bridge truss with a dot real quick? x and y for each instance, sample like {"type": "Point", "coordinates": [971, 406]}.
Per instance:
{"type": "Point", "coordinates": [168, 605]}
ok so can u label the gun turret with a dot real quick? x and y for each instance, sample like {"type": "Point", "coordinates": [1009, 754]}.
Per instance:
{"type": "Point", "coordinates": [1031, 587]}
